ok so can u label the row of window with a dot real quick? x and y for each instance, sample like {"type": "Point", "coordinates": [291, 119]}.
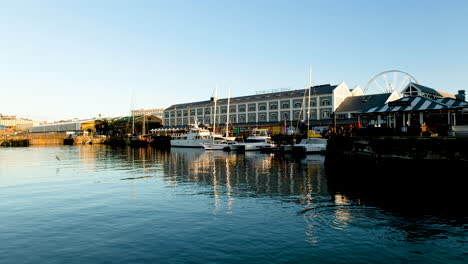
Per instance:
{"type": "Point", "coordinates": [297, 103]}
{"type": "Point", "coordinates": [253, 117]}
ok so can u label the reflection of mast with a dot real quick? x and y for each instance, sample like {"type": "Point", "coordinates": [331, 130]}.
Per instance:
{"type": "Point", "coordinates": [228, 185]}
{"type": "Point", "coordinates": [143, 126]}
{"type": "Point", "coordinates": [215, 187]}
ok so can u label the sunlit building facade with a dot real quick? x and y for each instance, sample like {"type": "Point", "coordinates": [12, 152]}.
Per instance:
{"type": "Point", "coordinates": [264, 110]}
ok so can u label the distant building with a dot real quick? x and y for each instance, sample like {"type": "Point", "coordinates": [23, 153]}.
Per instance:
{"type": "Point", "coordinates": [12, 121]}
{"type": "Point", "coordinates": [78, 126]}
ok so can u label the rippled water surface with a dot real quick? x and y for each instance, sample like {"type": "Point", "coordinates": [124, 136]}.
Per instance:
{"type": "Point", "coordinates": [96, 204]}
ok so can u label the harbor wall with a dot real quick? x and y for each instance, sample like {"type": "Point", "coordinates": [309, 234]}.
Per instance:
{"type": "Point", "coordinates": [34, 139]}
{"type": "Point", "coordinates": [27, 139]}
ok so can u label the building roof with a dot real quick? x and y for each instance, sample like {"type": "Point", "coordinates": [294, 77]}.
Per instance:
{"type": "Point", "coordinates": [66, 123]}
{"type": "Point", "coordinates": [190, 105]}
{"type": "Point", "coordinates": [362, 102]}
{"type": "Point", "coordinates": [413, 103]}
{"type": "Point", "coordinates": [429, 90]}
{"type": "Point", "coordinates": [137, 117]}
{"type": "Point", "coordinates": [315, 90]}
{"type": "Point", "coordinates": [454, 103]}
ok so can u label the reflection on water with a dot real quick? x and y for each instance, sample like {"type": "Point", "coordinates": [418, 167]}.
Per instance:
{"type": "Point", "coordinates": [249, 174]}
{"type": "Point", "coordinates": [100, 204]}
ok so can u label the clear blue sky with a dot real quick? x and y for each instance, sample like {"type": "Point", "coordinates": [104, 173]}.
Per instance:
{"type": "Point", "coordinates": [67, 59]}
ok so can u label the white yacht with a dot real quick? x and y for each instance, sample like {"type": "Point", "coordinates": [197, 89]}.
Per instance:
{"type": "Point", "coordinates": [195, 138]}
{"type": "Point", "coordinates": [258, 138]}
{"type": "Point", "coordinates": [311, 145]}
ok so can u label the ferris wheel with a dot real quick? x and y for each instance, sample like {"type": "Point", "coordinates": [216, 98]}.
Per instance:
{"type": "Point", "coordinates": [388, 82]}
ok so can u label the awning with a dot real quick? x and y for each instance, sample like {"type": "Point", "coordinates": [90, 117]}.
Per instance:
{"type": "Point", "coordinates": [406, 104]}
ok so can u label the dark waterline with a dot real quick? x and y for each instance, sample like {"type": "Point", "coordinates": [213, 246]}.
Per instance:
{"type": "Point", "coordinates": [96, 204]}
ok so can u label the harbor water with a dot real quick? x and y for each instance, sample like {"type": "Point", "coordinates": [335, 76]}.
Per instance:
{"type": "Point", "coordinates": [98, 204]}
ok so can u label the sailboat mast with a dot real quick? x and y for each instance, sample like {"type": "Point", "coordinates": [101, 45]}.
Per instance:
{"type": "Point", "coordinates": [227, 120]}
{"type": "Point", "coordinates": [133, 115]}
{"type": "Point", "coordinates": [214, 111]}
{"type": "Point", "coordinates": [308, 112]}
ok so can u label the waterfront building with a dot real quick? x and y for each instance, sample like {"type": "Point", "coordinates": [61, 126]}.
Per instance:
{"type": "Point", "coordinates": [347, 110]}
{"type": "Point", "coordinates": [71, 127]}
{"type": "Point", "coordinates": [314, 106]}
{"type": "Point", "coordinates": [420, 108]}
{"type": "Point", "coordinates": [122, 125]}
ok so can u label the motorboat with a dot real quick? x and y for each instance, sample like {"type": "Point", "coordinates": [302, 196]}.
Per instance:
{"type": "Point", "coordinates": [257, 139]}
{"type": "Point", "coordinates": [195, 137]}
{"type": "Point", "coordinates": [311, 145]}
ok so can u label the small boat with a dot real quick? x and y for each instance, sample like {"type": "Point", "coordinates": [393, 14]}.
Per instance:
{"type": "Point", "coordinates": [311, 145]}
{"type": "Point", "coordinates": [258, 138]}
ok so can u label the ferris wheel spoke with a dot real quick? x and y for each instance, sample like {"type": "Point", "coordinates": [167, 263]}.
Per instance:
{"type": "Point", "coordinates": [394, 80]}
{"type": "Point", "coordinates": [389, 87]}
{"type": "Point", "coordinates": [405, 81]}
{"type": "Point", "coordinates": [382, 89]}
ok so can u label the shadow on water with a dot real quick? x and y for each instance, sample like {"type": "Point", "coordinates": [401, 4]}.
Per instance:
{"type": "Point", "coordinates": [408, 187]}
